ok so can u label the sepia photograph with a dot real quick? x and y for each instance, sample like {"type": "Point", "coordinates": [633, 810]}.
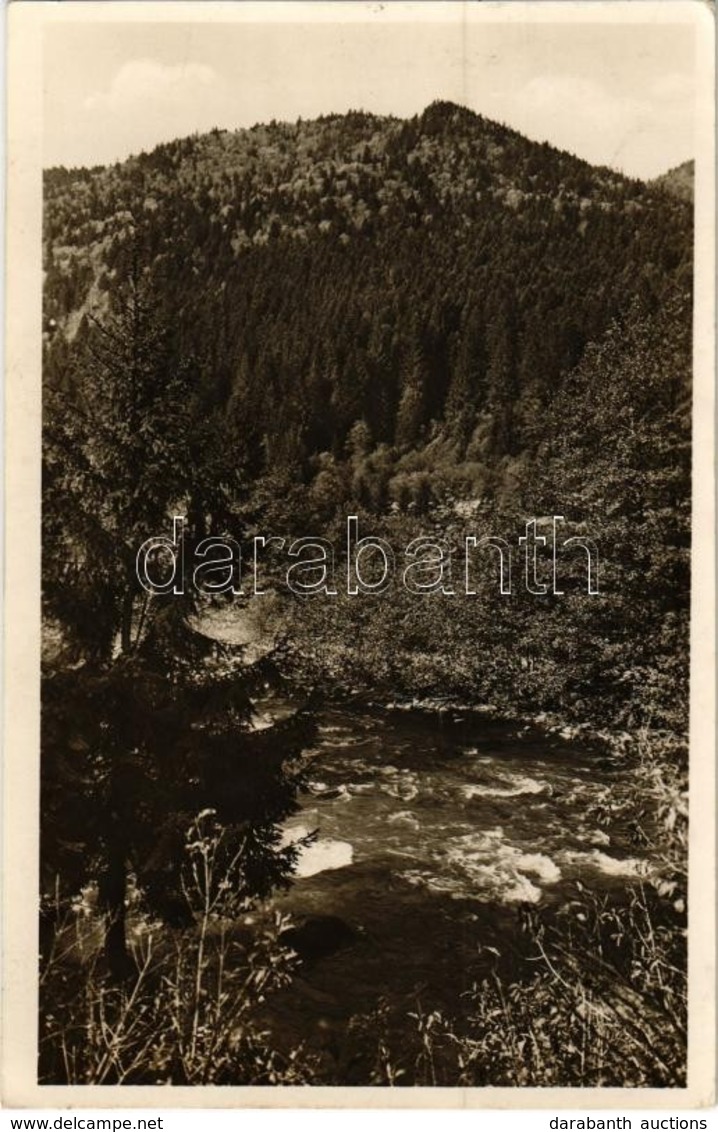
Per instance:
{"type": "Point", "coordinates": [373, 436]}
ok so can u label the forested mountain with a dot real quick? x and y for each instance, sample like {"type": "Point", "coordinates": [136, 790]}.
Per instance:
{"type": "Point", "coordinates": [445, 330]}
{"type": "Point", "coordinates": [396, 298]}
{"type": "Point", "coordinates": [400, 318]}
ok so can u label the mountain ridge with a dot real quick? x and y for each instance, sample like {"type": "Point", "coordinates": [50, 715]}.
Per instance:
{"type": "Point", "coordinates": [436, 110]}
{"type": "Point", "coordinates": [427, 279]}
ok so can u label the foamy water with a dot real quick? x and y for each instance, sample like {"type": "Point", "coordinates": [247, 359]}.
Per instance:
{"type": "Point", "coordinates": [609, 866]}
{"type": "Point", "coordinates": [504, 788]}
{"type": "Point", "coordinates": [486, 867]}
{"type": "Point", "coordinates": [319, 856]}
{"type": "Point", "coordinates": [417, 804]}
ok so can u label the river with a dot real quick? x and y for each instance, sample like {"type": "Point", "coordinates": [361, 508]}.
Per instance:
{"type": "Point", "coordinates": [436, 834]}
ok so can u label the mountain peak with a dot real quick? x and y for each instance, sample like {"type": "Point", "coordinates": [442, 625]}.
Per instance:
{"type": "Point", "coordinates": [442, 112]}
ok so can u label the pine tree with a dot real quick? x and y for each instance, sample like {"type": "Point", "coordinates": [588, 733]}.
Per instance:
{"type": "Point", "coordinates": [149, 725]}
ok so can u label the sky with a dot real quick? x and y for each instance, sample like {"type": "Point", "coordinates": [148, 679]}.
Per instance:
{"type": "Point", "coordinates": [615, 95]}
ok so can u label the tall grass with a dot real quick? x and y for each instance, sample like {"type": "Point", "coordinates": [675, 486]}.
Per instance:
{"type": "Point", "coordinates": [186, 1016]}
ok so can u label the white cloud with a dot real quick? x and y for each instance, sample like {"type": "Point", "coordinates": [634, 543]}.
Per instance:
{"type": "Point", "coordinates": [601, 124]}
{"type": "Point", "coordinates": [579, 112]}
{"type": "Point", "coordinates": [623, 110]}
{"type": "Point", "coordinates": [148, 102]}
{"type": "Point", "coordinates": [143, 80]}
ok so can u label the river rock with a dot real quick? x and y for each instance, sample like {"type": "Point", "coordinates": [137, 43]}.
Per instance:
{"type": "Point", "coordinates": [317, 936]}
